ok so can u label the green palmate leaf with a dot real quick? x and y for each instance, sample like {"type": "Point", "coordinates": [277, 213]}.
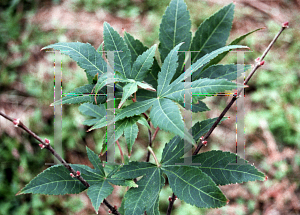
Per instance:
{"type": "Point", "coordinates": [213, 33]}
{"type": "Point", "coordinates": [202, 87]}
{"type": "Point", "coordinates": [228, 72]}
{"type": "Point", "coordinates": [167, 70]}
{"type": "Point", "coordinates": [80, 95]}
{"type": "Point", "coordinates": [114, 42]}
{"type": "Point", "coordinates": [97, 111]}
{"type": "Point", "coordinates": [128, 90]}
{"type": "Point", "coordinates": [175, 28]}
{"type": "Point", "coordinates": [131, 132]}
{"type": "Point", "coordinates": [56, 180]}
{"type": "Point", "coordinates": [165, 114]}
{"type": "Point", "coordinates": [205, 59]}
{"type": "Point", "coordinates": [144, 197]}
{"type": "Point", "coordinates": [216, 164]}
{"type": "Point", "coordinates": [135, 46]}
{"type": "Point", "coordinates": [194, 187]}
{"type": "Point", "coordinates": [84, 54]}
{"type": "Point", "coordinates": [234, 42]}
{"type": "Point", "coordinates": [142, 64]}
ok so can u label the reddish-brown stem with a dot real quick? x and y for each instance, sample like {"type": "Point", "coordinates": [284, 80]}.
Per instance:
{"type": "Point", "coordinates": [49, 148]}
{"type": "Point", "coordinates": [171, 203]}
{"type": "Point", "coordinates": [155, 133]}
{"type": "Point", "coordinates": [200, 143]}
{"type": "Point", "coordinates": [121, 152]}
{"type": "Point", "coordinates": [154, 156]}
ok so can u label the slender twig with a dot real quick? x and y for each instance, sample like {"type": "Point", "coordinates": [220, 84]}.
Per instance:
{"type": "Point", "coordinates": [121, 152]}
{"type": "Point", "coordinates": [236, 95]}
{"type": "Point", "coordinates": [135, 96]}
{"type": "Point", "coordinates": [172, 200]}
{"type": "Point", "coordinates": [154, 156]}
{"type": "Point", "coordinates": [150, 142]}
{"type": "Point", "coordinates": [155, 133]}
{"type": "Point", "coordinates": [47, 146]}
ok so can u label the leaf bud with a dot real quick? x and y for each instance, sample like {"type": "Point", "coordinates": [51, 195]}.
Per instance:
{"type": "Point", "coordinates": [16, 122]}
{"type": "Point", "coordinates": [285, 24]}
{"type": "Point", "coordinates": [47, 141]}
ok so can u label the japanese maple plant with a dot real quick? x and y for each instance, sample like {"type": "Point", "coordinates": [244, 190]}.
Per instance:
{"type": "Point", "coordinates": [151, 91]}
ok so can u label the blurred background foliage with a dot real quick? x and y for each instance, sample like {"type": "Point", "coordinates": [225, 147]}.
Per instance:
{"type": "Point", "coordinates": [272, 113]}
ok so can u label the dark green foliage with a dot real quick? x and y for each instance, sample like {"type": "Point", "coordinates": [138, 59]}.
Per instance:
{"type": "Point", "coordinates": [161, 89]}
